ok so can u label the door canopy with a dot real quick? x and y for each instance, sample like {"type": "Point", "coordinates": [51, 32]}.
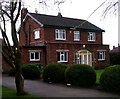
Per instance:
{"type": "Point", "coordinates": [84, 57]}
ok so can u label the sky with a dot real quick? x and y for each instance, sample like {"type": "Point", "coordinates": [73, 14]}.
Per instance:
{"type": "Point", "coordinates": [81, 9]}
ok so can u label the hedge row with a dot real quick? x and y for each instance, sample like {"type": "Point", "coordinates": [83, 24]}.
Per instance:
{"type": "Point", "coordinates": [28, 71]}
{"type": "Point", "coordinates": [54, 72]}
{"type": "Point", "coordinates": [83, 75]}
{"type": "Point", "coordinates": [78, 75]}
{"type": "Point", "coordinates": [110, 78]}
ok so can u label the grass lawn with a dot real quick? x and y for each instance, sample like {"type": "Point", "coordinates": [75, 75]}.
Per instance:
{"type": "Point", "coordinates": [98, 74]}
{"type": "Point", "coordinates": [8, 93]}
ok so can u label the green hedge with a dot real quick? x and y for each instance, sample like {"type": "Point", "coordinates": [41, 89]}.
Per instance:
{"type": "Point", "coordinates": [11, 72]}
{"type": "Point", "coordinates": [115, 58]}
{"type": "Point", "coordinates": [110, 78]}
{"type": "Point", "coordinates": [54, 72]}
{"type": "Point", "coordinates": [80, 75]}
{"type": "Point", "coordinates": [29, 71]}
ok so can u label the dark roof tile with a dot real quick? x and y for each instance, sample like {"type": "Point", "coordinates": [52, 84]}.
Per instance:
{"type": "Point", "coordinates": [49, 20]}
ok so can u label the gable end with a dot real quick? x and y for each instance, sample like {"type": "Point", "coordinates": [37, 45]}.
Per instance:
{"type": "Point", "coordinates": [33, 19]}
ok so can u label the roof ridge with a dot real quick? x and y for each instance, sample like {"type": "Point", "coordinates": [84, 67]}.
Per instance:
{"type": "Point", "coordinates": [66, 22]}
{"type": "Point", "coordinates": [57, 16]}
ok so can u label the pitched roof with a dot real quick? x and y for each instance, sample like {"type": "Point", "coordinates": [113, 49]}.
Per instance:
{"type": "Point", "coordinates": [60, 22]}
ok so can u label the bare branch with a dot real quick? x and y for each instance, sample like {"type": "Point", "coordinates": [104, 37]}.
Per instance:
{"type": "Point", "coordinates": [5, 12]}
{"type": "Point", "coordinates": [18, 13]}
{"type": "Point", "coordinates": [15, 5]}
{"type": "Point", "coordinates": [6, 41]}
{"type": "Point", "coordinates": [3, 18]}
{"type": "Point", "coordinates": [8, 59]}
{"type": "Point", "coordinates": [91, 14]}
{"type": "Point", "coordinates": [111, 5]}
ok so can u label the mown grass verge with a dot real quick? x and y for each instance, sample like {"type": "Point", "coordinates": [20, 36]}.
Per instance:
{"type": "Point", "coordinates": [8, 93]}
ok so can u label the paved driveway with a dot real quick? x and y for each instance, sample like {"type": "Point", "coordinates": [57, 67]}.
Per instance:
{"type": "Point", "coordinates": [39, 88]}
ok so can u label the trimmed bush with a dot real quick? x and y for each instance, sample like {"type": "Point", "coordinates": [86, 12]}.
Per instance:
{"type": "Point", "coordinates": [110, 78]}
{"type": "Point", "coordinates": [80, 75]}
{"type": "Point", "coordinates": [115, 58]}
{"type": "Point", "coordinates": [11, 72]}
{"type": "Point", "coordinates": [54, 72]}
{"type": "Point", "coordinates": [30, 72]}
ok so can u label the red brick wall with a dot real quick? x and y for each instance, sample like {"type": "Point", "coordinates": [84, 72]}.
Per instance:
{"type": "Point", "coordinates": [52, 53]}
{"type": "Point", "coordinates": [29, 28]}
{"type": "Point", "coordinates": [25, 56]}
{"type": "Point", "coordinates": [50, 37]}
{"type": "Point", "coordinates": [48, 34]}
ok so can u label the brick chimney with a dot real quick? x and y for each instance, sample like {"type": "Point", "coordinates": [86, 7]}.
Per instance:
{"type": "Point", "coordinates": [113, 47]}
{"type": "Point", "coordinates": [24, 11]}
{"type": "Point", "coordinates": [59, 14]}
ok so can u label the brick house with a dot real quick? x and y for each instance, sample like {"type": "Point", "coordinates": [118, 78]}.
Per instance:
{"type": "Point", "coordinates": [45, 39]}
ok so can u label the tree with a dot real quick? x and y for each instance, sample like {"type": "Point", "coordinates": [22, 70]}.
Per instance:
{"type": "Point", "coordinates": [10, 10]}
{"type": "Point", "coordinates": [111, 5]}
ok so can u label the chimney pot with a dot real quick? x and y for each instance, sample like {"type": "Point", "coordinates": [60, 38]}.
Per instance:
{"type": "Point", "coordinates": [113, 47]}
{"type": "Point", "coordinates": [59, 14]}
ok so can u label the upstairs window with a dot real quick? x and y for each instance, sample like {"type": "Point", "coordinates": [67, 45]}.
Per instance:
{"type": "Point", "coordinates": [101, 55]}
{"type": "Point", "coordinates": [34, 55]}
{"type": "Point", "coordinates": [36, 34]}
{"type": "Point", "coordinates": [91, 36]}
{"type": "Point", "coordinates": [76, 35]}
{"type": "Point", "coordinates": [60, 34]}
{"type": "Point", "coordinates": [62, 56]}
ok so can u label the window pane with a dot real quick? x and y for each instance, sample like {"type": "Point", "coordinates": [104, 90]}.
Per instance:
{"type": "Point", "coordinates": [76, 35]}
{"type": "Point", "coordinates": [58, 56]}
{"type": "Point", "coordinates": [66, 56]}
{"type": "Point", "coordinates": [31, 55]}
{"type": "Point", "coordinates": [60, 34]}
{"type": "Point", "coordinates": [101, 55]}
{"type": "Point", "coordinates": [36, 55]}
{"type": "Point", "coordinates": [37, 34]}
{"type": "Point", "coordinates": [91, 36]}
{"type": "Point", "coordinates": [62, 56]}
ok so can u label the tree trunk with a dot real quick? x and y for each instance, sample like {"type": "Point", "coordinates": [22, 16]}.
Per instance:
{"type": "Point", "coordinates": [19, 80]}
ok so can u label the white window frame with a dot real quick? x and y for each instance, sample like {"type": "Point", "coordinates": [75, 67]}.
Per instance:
{"type": "Point", "coordinates": [60, 34]}
{"type": "Point", "coordinates": [62, 56]}
{"type": "Point", "coordinates": [36, 34]}
{"type": "Point", "coordinates": [91, 36]}
{"type": "Point", "coordinates": [33, 52]}
{"type": "Point", "coordinates": [76, 35]}
{"type": "Point", "coordinates": [102, 53]}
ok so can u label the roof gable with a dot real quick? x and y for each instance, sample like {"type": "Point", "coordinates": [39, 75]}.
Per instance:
{"type": "Point", "coordinates": [63, 22]}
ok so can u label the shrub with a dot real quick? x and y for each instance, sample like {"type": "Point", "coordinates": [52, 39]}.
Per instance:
{"type": "Point", "coordinates": [110, 78]}
{"type": "Point", "coordinates": [11, 72]}
{"type": "Point", "coordinates": [30, 72]}
{"type": "Point", "coordinates": [80, 75]}
{"type": "Point", "coordinates": [54, 72]}
{"type": "Point", "coordinates": [115, 58]}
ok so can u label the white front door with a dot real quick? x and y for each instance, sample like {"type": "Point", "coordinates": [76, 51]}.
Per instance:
{"type": "Point", "coordinates": [84, 57]}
